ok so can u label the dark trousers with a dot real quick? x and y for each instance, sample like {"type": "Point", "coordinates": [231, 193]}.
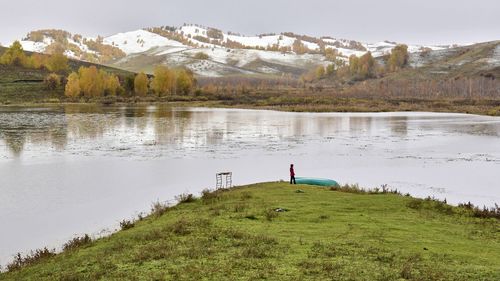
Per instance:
{"type": "Point", "coordinates": [292, 179]}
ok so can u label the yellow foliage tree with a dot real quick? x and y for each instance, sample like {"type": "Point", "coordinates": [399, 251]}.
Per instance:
{"type": "Point", "coordinates": [112, 84]}
{"type": "Point", "coordinates": [185, 81]}
{"type": "Point", "coordinates": [38, 60]}
{"type": "Point", "coordinates": [299, 48]}
{"type": "Point", "coordinates": [72, 86]}
{"type": "Point", "coordinates": [141, 84]}
{"type": "Point", "coordinates": [52, 81]}
{"type": "Point", "coordinates": [14, 55]}
{"type": "Point", "coordinates": [91, 83]}
{"type": "Point", "coordinates": [398, 58]}
{"type": "Point", "coordinates": [363, 67]}
{"type": "Point", "coordinates": [57, 63]}
{"type": "Point", "coordinates": [164, 81]}
{"type": "Point", "coordinates": [320, 72]}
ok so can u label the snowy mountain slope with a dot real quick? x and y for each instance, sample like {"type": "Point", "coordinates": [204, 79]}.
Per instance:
{"type": "Point", "coordinates": [222, 61]}
{"type": "Point", "coordinates": [141, 50]}
{"type": "Point", "coordinates": [139, 41]}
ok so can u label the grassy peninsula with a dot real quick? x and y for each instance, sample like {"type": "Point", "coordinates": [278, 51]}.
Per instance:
{"type": "Point", "coordinates": [275, 231]}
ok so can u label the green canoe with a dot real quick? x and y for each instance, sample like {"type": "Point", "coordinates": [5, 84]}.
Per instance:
{"type": "Point", "coordinates": [316, 181]}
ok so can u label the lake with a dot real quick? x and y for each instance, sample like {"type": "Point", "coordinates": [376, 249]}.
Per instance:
{"type": "Point", "coordinates": [75, 169]}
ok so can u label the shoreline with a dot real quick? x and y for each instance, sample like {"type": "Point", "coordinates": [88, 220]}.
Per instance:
{"type": "Point", "coordinates": [495, 112]}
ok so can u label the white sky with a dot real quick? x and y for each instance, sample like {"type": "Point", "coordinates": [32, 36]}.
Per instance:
{"type": "Point", "coordinates": [423, 21]}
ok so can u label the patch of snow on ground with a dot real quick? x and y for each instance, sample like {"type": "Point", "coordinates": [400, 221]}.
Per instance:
{"type": "Point", "coordinates": [32, 46]}
{"type": "Point", "coordinates": [495, 58]}
{"type": "Point", "coordinates": [193, 31]}
{"type": "Point", "coordinates": [139, 41]}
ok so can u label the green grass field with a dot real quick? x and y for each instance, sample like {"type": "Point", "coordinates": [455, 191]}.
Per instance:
{"type": "Point", "coordinates": [321, 235]}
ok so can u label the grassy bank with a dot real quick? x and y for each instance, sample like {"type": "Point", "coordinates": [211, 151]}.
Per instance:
{"type": "Point", "coordinates": [320, 234]}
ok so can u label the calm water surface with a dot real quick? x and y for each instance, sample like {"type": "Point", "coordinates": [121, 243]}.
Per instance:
{"type": "Point", "coordinates": [81, 169]}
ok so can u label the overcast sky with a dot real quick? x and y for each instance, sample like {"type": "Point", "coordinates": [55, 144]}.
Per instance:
{"type": "Point", "coordinates": [422, 21]}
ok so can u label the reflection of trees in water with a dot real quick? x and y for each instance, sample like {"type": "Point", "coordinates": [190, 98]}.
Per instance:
{"type": "Point", "coordinates": [483, 129]}
{"type": "Point", "coordinates": [170, 126]}
{"type": "Point", "coordinates": [41, 128]}
{"type": "Point", "coordinates": [135, 117]}
{"type": "Point", "coordinates": [360, 123]}
{"type": "Point", "coordinates": [14, 141]}
{"type": "Point", "coordinates": [88, 126]}
{"type": "Point", "coordinates": [188, 129]}
{"type": "Point", "coordinates": [398, 125]}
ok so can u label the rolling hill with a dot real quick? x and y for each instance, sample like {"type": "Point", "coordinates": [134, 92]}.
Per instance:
{"type": "Point", "coordinates": [224, 53]}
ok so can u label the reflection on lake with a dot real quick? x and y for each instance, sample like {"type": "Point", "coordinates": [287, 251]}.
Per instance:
{"type": "Point", "coordinates": [81, 168]}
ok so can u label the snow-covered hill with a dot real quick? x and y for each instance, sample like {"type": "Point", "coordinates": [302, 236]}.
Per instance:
{"type": "Point", "coordinates": [139, 41]}
{"type": "Point", "coordinates": [228, 53]}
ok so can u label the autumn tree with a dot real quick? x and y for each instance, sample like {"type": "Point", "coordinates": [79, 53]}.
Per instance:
{"type": "Point", "coordinates": [367, 66]}
{"type": "Point", "coordinates": [164, 80]}
{"type": "Point", "coordinates": [331, 54]}
{"type": "Point", "coordinates": [112, 84]}
{"type": "Point", "coordinates": [320, 72]}
{"type": "Point", "coordinates": [72, 86]}
{"type": "Point", "coordinates": [299, 48]}
{"type": "Point", "coordinates": [185, 81]}
{"type": "Point", "coordinates": [363, 67]}
{"type": "Point", "coordinates": [330, 69]}
{"type": "Point", "coordinates": [52, 81]}
{"type": "Point", "coordinates": [353, 64]}
{"type": "Point", "coordinates": [91, 83]}
{"type": "Point", "coordinates": [57, 63]}
{"type": "Point", "coordinates": [398, 58]}
{"type": "Point", "coordinates": [14, 55]}
{"type": "Point", "coordinates": [141, 84]}
{"type": "Point", "coordinates": [37, 60]}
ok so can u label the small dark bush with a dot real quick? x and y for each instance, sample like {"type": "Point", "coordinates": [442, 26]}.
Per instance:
{"type": "Point", "coordinates": [77, 242]}
{"type": "Point", "coordinates": [415, 204]}
{"type": "Point", "coordinates": [52, 81]}
{"type": "Point", "coordinates": [126, 224]}
{"type": "Point", "coordinates": [158, 208]}
{"type": "Point", "coordinates": [208, 195]}
{"type": "Point", "coordinates": [201, 56]}
{"type": "Point", "coordinates": [185, 198]}
{"type": "Point", "coordinates": [485, 212]}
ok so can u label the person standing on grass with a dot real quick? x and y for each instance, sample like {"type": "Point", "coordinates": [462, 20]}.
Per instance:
{"type": "Point", "coordinates": [292, 175]}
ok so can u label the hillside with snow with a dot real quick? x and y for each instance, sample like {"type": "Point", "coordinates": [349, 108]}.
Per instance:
{"type": "Point", "coordinates": [223, 53]}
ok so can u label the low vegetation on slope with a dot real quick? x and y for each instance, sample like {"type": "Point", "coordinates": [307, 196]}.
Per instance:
{"type": "Point", "coordinates": [276, 231]}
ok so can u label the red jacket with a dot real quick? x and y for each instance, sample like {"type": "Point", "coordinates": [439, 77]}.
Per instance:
{"type": "Point", "coordinates": [292, 172]}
